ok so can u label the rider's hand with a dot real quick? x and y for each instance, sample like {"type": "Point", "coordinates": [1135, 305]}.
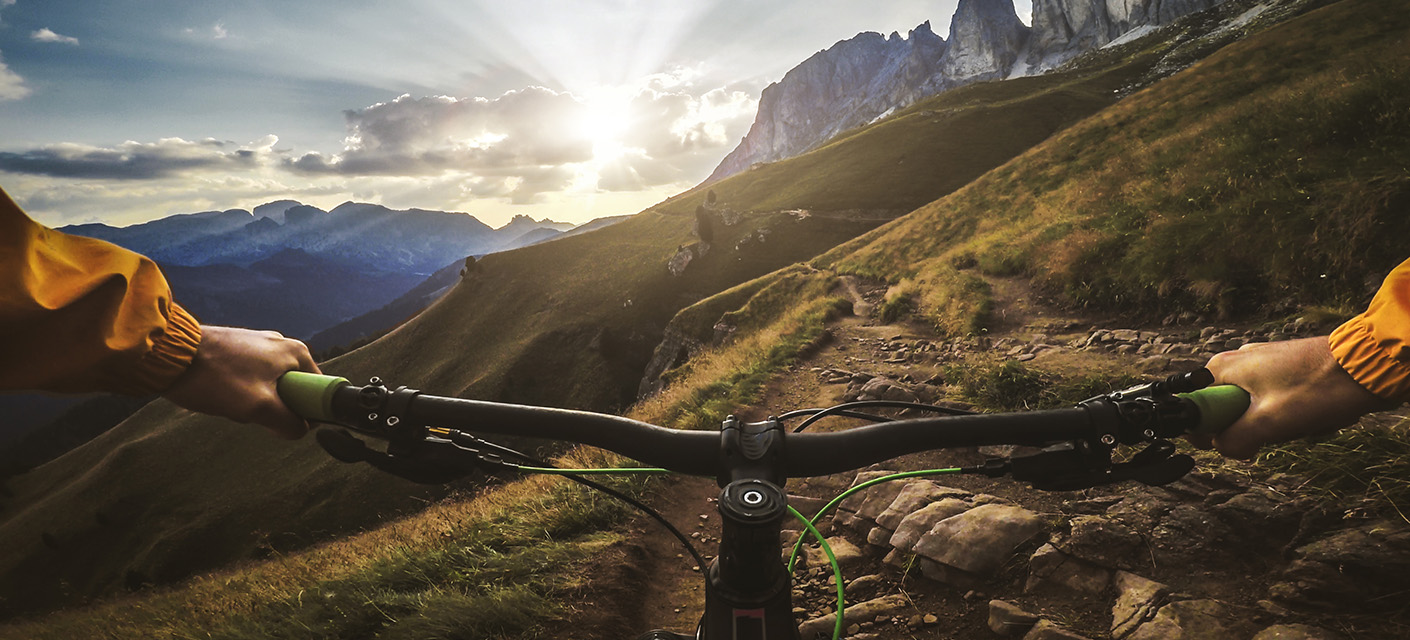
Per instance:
{"type": "Point", "coordinates": [234, 376]}
{"type": "Point", "coordinates": [1297, 389]}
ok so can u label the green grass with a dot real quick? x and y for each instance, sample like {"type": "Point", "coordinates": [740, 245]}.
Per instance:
{"type": "Point", "coordinates": [1009, 385]}
{"type": "Point", "coordinates": [784, 318]}
{"type": "Point", "coordinates": [1362, 469]}
{"type": "Point", "coordinates": [500, 564]}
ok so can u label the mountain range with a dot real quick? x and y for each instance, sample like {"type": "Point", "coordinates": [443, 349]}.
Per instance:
{"type": "Point", "coordinates": [862, 79]}
{"type": "Point", "coordinates": [298, 269]}
{"type": "Point", "coordinates": [368, 236]}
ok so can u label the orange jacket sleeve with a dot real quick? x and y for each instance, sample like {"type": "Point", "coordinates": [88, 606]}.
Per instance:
{"type": "Point", "coordinates": [80, 315]}
{"type": "Point", "coordinates": [1374, 347]}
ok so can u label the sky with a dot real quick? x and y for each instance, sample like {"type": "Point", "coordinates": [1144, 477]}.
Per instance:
{"type": "Point", "coordinates": [123, 111]}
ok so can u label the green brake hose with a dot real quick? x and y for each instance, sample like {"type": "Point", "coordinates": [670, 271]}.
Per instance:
{"type": "Point", "coordinates": [836, 569]}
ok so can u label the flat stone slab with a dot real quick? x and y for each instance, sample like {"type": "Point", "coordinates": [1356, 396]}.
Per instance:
{"type": "Point", "coordinates": [919, 523]}
{"type": "Point", "coordinates": [980, 540]}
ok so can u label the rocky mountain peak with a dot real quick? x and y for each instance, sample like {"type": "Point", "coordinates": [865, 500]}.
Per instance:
{"type": "Point", "coordinates": [1062, 29]}
{"type": "Point", "coordinates": [985, 39]}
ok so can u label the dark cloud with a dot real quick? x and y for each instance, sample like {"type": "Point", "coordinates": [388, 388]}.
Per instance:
{"type": "Point", "coordinates": [136, 160]}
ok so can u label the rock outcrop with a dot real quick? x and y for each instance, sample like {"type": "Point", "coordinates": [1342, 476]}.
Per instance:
{"type": "Point", "coordinates": [1063, 29]}
{"type": "Point", "coordinates": [865, 78]}
{"type": "Point", "coordinates": [985, 39]}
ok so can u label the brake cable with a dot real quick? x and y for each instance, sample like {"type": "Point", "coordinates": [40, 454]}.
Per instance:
{"type": "Point", "coordinates": [845, 410]}
{"type": "Point", "coordinates": [574, 475]}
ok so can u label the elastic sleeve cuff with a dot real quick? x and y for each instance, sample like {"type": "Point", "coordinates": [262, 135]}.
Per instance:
{"type": "Point", "coordinates": [1361, 354]}
{"type": "Point", "coordinates": [171, 354]}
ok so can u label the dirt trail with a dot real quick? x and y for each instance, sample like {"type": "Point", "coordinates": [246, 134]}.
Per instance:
{"type": "Point", "coordinates": [674, 597]}
{"type": "Point", "coordinates": [675, 600]}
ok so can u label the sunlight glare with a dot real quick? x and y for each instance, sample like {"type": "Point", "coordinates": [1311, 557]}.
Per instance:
{"type": "Point", "coordinates": [606, 121]}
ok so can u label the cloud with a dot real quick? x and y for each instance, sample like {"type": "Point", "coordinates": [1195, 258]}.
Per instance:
{"type": "Point", "coordinates": [216, 31]}
{"type": "Point", "coordinates": [47, 35]}
{"type": "Point", "coordinates": [533, 141]}
{"type": "Point", "coordinates": [670, 124]}
{"type": "Point", "coordinates": [138, 160]}
{"type": "Point", "coordinates": [426, 136]}
{"type": "Point", "coordinates": [12, 86]}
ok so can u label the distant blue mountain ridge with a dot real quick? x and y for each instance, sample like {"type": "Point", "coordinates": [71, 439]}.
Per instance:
{"type": "Point", "coordinates": [368, 236]}
{"type": "Point", "coordinates": [298, 269]}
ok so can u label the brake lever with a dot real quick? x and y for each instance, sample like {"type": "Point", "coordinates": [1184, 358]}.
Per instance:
{"type": "Point", "coordinates": [1154, 466]}
{"type": "Point", "coordinates": [421, 462]}
{"type": "Point", "coordinates": [1074, 469]}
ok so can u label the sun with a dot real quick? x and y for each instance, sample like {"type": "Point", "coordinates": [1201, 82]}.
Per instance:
{"type": "Point", "coordinates": [606, 121]}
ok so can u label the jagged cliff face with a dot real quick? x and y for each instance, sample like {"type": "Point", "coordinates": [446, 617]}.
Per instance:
{"type": "Point", "coordinates": [985, 39]}
{"type": "Point", "coordinates": [845, 86]}
{"type": "Point", "coordinates": [859, 80]}
{"type": "Point", "coordinates": [1063, 29]}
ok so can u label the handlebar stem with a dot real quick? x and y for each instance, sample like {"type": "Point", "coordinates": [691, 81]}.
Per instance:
{"type": "Point", "coordinates": [749, 592]}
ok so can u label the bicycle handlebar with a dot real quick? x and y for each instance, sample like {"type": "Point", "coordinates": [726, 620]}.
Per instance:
{"type": "Point", "coordinates": [333, 399]}
{"type": "Point", "coordinates": [747, 583]}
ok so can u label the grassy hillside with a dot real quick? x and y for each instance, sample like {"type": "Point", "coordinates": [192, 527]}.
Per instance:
{"type": "Point", "coordinates": [1269, 177]}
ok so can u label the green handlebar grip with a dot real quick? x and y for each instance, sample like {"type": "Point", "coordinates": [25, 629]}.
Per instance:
{"type": "Point", "coordinates": [310, 395]}
{"type": "Point", "coordinates": [1219, 407]}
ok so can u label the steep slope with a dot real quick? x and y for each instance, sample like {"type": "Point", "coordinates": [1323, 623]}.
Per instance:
{"type": "Point", "coordinates": [1265, 178]}
{"type": "Point", "coordinates": [363, 328]}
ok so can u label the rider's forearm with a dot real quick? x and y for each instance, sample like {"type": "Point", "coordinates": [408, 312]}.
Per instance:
{"type": "Point", "coordinates": [80, 315]}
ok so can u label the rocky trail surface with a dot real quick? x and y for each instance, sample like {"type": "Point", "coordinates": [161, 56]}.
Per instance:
{"type": "Point", "coordinates": [1226, 552]}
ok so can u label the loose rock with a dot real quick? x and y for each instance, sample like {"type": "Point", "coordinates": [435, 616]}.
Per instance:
{"type": "Point", "coordinates": [1051, 566]}
{"type": "Point", "coordinates": [854, 615]}
{"type": "Point", "coordinates": [1008, 619]}
{"type": "Point", "coordinates": [1104, 541]}
{"type": "Point", "coordinates": [1138, 602]}
{"type": "Point", "coordinates": [1049, 630]}
{"type": "Point", "coordinates": [1295, 632]}
{"type": "Point", "coordinates": [913, 496]}
{"type": "Point", "coordinates": [1192, 620]}
{"type": "Point", "coordinates": [917, 524]}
